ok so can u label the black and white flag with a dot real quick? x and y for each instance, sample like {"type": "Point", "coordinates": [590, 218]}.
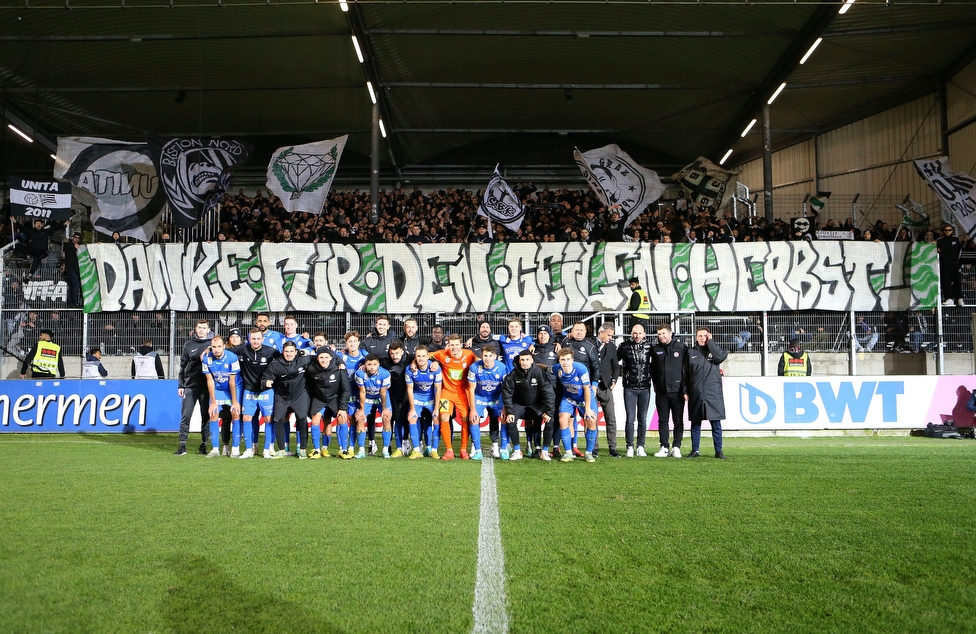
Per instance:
{"type": "Point", "coordinates": [619, 181]}
{"type": "Point", "coordinates": [301, 175]}
{"type": "Point", "coordinates": [500, 204]}
{"type": "Point", "coordinates": [954, 190]}
{"type": "Point", "coordinates": [117, 180]}
{"type": "Point", "coordinates": [705, 182]}
{"type": "Point", "coordinates": [195, 173]}
{"type": "Point", "coordinates": [40, 200]}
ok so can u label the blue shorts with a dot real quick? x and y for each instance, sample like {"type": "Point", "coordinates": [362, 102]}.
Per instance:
{"type": "Point", "coordinates": [567, 406]}
{"type": "Point", "coordinates": [420, 406]}
{"type": "Point", "coordinates": [263, 401]}
{"type": "Point", "coordinates": [482, 406]}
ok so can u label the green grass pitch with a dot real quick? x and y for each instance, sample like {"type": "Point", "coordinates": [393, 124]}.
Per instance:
{"type": "Point", "coordinates": [115, 534]}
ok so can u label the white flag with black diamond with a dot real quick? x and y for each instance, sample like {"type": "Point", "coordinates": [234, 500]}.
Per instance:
{"type": "Point", "coordinates": [500, 204]}
{"type": "Point", "coordinates": [619, 182]}
{"type": "Point", "coordinates": [301, 175]}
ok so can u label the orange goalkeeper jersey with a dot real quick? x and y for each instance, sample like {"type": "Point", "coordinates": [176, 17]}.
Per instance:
{"type": "Point", "coordinates": [455, 371]}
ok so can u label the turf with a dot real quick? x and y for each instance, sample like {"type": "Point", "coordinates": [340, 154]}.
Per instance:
{"type": "Point", "coordinates": [115, 534]}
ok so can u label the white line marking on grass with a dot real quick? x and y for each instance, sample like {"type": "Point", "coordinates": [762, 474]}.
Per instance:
{"type": "Point", "coordinates": [489, 588]}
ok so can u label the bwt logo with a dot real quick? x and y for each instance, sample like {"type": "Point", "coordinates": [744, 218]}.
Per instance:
{"type": "Point", "coordinates": [802, 401]}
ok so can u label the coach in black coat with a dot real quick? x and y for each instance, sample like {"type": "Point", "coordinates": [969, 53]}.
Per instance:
{"type": "Point", "coordinates": [706, 400]}
{"type": "Point", "coordinates": [528, 395]}
{"type": "Point", "coordinates": [606, 379]}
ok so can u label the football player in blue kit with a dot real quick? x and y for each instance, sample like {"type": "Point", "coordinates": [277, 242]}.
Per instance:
{"type": "Point", "coordinates": [577, 397]}
{"type": "Point", "coordinates": [485, 396]}
{"type": "Point", "coordinates": [221, 368]}
{"type": "Point", "coordinates": [372, 392]}
{"type": "Point", "coordinates": [424, 381]}
{"type": "Point", "coordinates": [513, 343]}
{"type": "Point", "coordinates": [352, 357]}
{"type": "Point", "coordinates": [271, 338]}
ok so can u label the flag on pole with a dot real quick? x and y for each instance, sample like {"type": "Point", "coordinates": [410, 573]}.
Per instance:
{"type": "Point", "coordinates": [195, 173]}
{"type": "Point", "coordinates": [619, 181]}
{"type": "Point", "coordinates": [301, 175]}
{"type": "Point", "coordinates": [817, 202]}
{"type": "Point", "coordinates": [116, 180]}
{"type": "Point", "coordinates": [706, 183]}
{"type": "Point", "coordinates": [954, 190]}
{"type": "Point", "coordinates": [500, 204]}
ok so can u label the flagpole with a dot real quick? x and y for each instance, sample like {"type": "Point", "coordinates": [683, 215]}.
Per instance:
{"type": "Point", "coordinates": [491, 232]}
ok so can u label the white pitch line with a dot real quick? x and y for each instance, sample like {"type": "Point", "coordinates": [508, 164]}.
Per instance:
{"type": "Point", "coordinates": [490, 615]}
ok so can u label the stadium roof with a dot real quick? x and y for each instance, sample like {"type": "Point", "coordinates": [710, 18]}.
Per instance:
{"type": "Point", "coordinates": [469, 83]}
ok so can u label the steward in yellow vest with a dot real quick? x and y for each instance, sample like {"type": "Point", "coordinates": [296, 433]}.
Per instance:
{"type": "Point", "coordinates": [639, 301]}
{"type": "Point", "coordinates": [44, 359]}
{"type": "Point", "coordinates": [795, 362]}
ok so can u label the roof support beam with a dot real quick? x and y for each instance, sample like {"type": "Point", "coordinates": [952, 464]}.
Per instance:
{"type": "Point", "coordinates": [581, 34]}
{"type": "Point", "coordinates": [819, 21]}
{"type": "Point", "coordinates": [357, 23]}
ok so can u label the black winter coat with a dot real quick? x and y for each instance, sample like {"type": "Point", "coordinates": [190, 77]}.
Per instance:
{"type": "Point", "coordinates": [706, 400]}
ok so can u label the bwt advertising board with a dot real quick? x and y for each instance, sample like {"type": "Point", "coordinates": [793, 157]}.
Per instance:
{"type": "Point", "coordinates": [751, 403]}
{"type": "Point", "coordinates": [862, 402]}
{"type": "Point", "coordinates": [89, 406]}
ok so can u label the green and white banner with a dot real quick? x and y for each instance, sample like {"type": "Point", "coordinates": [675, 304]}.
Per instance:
{"type": "Point", "coordinates": [514, 277]}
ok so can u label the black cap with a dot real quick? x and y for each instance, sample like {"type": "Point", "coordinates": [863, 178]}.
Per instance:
{"type": "Point", "coordinates": [323, 350]}
{"type": "Point", "coordinates": [234, 331]}
{"type": "Point", "coordinates": [543, 328]}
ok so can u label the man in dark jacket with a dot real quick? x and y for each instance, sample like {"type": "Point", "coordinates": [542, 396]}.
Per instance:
{"type": "Point", "coordinates": [396, 364]}
{"type": "Point", "coordinates": [528, 396]}
{"type": "Point", "coordinates": [609, 372]}
{"type": "Point", "coordinates": [379, 339]}
{"type": "Point", "coordinates": [286, 376]}
{"type": "Point", "coordinates": [72, 271]}
{"type": "Point", "coordinates": [328, 388]}
{"type": "Point", "coordinates": [544, 350]}
{"type": "Point", "coordinates": [706, 401]}
{"type": "Point", "coordinates": [192, 386]}
{"type": "Point", "coordinates": [483, 338]}
{"type": "Point", "coordinates": [255, 357]}
{"type": "Point", "coordinates": [635, 360]}
{"type": "Point", "coordinates": [667, 372]}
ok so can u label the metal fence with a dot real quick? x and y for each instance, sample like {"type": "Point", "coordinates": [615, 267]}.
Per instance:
{"type": "Point", "coordinates": [839, 343]}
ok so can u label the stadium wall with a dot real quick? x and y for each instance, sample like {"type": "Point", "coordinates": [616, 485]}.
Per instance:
{"type": "Point", "coordinates": [873, 157]}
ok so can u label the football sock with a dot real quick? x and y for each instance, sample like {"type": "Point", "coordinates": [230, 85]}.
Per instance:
{"type": "Point", "coordinates": [361, 439]}
{"type": "Point", "coordinates": [235, 427]}
{"type": "Point", "coordinates": [215, 433]}
{"type": "Point", "coordinates": [316, 437]}
{"type": "Point", "coordinates": [326, 441]}
{"type": "Point", "coordinates": [476, 436]}
{"type": "Point", "coordinates": [567, 439]}
{"type": "Point", "coordinates": [504, 435]}
{"type": "Point", "coordinates": [572, 428]}
{"type": "Point", "coordinates": [397, 434]}
{"type": "Point", "coordinates": [590, 439]}
{"type": "Point", "coordinates": [465, 432]}
{"type": "Point", "coordinates": [386, 440]}
{"type": "Point", "coordinates": [434, 438]}
{"type": "Point", "coordinates": [415, 435]}
{"type": "Point", "coordinates": [343, 432]}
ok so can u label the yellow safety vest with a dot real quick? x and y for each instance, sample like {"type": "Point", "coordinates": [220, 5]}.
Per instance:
{"type": "Point", "coordinates": [795, 367]}
{"type": "Point", "coordinates": [46, 359]}
{"type": "Point", "coordinates": [645, 304]}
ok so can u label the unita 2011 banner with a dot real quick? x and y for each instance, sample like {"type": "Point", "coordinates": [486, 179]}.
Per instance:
{"type": "Point", "coordinates": [517, 277]}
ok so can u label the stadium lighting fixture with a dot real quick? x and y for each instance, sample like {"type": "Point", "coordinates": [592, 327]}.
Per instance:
{"type": "Point", "coordinates": [20, 132]}
{"type": "Point", "coordinates": [344, 6]}
{"type": "Point", "coordinates": [372, 95]}
{"type": "Point", "coordinates": [813, 47]}
{"type": "Point", "coordinates": [844, 7]}
{"type": "Point", "coordinates": [726, 157]}
{"type": "Point", "coordinates": [382, 129]}
{"type": "Point", "coordinates": [776, 94]}
{"type": "Point", "coordinates": [55, 157]}
{"type": "Point", "coordinates": [748, 127]}
{"type": "Point", "coordinates": [359, 51]}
